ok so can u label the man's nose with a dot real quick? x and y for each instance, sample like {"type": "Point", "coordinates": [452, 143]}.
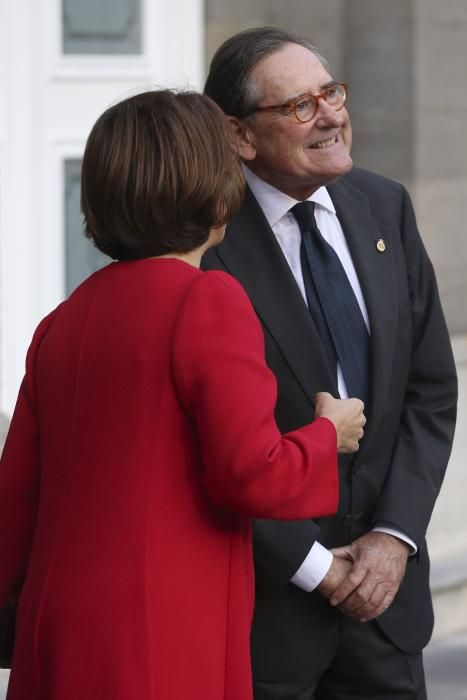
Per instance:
{"type": "Point", "coordinates": [328, 116]}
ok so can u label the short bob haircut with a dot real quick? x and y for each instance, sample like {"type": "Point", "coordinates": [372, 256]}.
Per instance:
{"type": "Point", "coordinates": [159, 171]}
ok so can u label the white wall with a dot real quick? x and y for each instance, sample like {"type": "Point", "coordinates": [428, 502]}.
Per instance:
{"type": "Point", "coordinates": [48, 104]}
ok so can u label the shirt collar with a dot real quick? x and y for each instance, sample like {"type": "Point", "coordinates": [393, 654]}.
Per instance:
{"type": "Point", "coordinates": [275, 204]}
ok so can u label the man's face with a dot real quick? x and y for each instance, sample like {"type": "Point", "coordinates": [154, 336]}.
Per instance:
{"type": "Point", "coordinates": [295, 157]}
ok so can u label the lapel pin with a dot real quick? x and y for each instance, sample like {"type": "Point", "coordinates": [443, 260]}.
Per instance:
{"type": "Point", "coordinates": [380, 246]}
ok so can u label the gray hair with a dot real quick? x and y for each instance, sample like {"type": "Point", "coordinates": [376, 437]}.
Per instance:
{"type": "Point", "coordinates": [229, 80]}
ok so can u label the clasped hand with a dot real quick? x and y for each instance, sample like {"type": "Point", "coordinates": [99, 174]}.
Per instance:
{"type": "Point", "coordinates": [365, 576]}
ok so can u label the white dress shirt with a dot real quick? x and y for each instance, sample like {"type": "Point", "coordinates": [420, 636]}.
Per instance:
{"type": "Point", "coordinates": [276, 207]}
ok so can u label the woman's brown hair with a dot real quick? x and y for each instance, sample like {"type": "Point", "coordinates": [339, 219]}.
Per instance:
{"type": "Point", "coordinates": [159, 171]}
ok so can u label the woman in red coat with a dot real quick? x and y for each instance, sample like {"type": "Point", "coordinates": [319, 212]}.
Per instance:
{"type": "Point", "coordinates": [143, 438]}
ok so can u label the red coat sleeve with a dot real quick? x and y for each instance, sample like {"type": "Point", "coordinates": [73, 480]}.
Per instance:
{"type": "Point", "coordinates": [19, 480]}
{"type": "Point", "coordinates": [229, 392]}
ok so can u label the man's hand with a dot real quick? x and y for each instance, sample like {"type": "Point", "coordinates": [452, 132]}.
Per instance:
{"type": "Point", "coordinates": [378, 566]}
{"type": "Point", "coordinates": [338, 571]}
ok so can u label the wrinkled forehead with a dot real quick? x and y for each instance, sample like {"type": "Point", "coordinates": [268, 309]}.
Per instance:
{"type": "Point", "coordinates": [288, 72]}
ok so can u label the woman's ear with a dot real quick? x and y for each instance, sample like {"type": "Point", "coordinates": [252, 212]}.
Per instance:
{"type": "Point", "coordinates": [243, 138]}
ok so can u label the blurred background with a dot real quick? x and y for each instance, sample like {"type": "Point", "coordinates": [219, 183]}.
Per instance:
{"type": "Point", "coordinates": [62, 62]}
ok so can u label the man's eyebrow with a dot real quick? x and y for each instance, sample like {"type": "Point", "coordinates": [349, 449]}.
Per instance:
{"type": "Point", "coordinates": [329, 84]}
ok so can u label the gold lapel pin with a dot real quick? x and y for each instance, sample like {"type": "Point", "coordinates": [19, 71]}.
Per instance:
{"type": "Point", "coordinates": [380, 246]}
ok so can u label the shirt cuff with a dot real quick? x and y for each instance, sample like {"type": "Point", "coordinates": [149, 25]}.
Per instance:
{"type": "Point", "coordinates": [314, 568]}
{"type": "Point", "coordinates": [400, 535]}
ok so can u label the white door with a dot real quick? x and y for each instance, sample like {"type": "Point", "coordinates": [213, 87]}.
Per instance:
{"type": "Point", "coordinates": [53, 86]}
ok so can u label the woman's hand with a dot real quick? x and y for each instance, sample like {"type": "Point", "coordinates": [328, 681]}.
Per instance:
{"type": "Point", "coordinates": [347, 416]}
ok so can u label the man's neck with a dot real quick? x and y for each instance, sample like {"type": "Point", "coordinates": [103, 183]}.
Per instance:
{"type": "Point", "coordinates": [299, 192]}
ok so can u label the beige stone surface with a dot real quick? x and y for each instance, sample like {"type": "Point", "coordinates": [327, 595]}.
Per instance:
{"type": "Point", "coordinates": [4, 675]}
{"type": "Point", "coordinates": [321, 21]}
{"type": "Point", "coordinates": [440, 94]}
{"type": "Point", "coordinates": [447, 534]}
{"type": "Point", "coordinates": [441, 207]}
{"type": "Point", "coordinates": [4, 423]}
{"type": "Point", "coordinates": [450, 608]}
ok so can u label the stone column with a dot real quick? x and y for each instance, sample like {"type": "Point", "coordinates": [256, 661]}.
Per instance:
{"type": "Point", "coordinates": [4, 424]}
{"type": "Point", "coordinates": [378, 64]}
{"type": "Point", "coordinates": [440, 146]}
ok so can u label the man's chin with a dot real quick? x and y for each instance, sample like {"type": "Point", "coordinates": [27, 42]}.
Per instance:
{"type": "Point", "coordinates": [336, 171]}
{"type": "Point", "coordinates": [341, 167]}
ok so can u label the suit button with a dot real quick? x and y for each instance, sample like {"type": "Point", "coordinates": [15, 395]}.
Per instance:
{"type": "Point", "coordinates": [357, 468]}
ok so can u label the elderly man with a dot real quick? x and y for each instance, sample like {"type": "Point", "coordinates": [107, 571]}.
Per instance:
{"type": "Point", "coordinates": [334, 265]}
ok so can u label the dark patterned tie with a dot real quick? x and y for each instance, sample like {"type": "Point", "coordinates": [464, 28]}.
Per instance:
{"type": "Point", "coordinates": [333, 305]}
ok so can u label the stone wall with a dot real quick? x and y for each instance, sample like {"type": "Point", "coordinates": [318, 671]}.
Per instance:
{"type": "Point", "coordinates": [4, 423]}
{"type": "Point", "coordinates": [447, 534]}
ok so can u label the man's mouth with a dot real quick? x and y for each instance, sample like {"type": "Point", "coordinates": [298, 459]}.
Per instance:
{"type": "Point", "coordinates": [326, 143]}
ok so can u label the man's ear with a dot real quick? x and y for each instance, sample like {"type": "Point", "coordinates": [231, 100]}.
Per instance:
{"type": "Point", "coordinates": [243, 138]}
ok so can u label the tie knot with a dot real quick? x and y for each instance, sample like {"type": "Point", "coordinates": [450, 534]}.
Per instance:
{"type": "Point", "coordinates": [304, 212]}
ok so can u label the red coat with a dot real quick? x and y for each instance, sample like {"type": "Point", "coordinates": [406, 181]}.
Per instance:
{"type": "Point", "coordinates": [144, 421]}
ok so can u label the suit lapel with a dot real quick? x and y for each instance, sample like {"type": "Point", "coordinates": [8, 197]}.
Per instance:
{"type": "Point", "coordinates": [252, 254]}
{"type": "Point", "coordinates": [375, 270]}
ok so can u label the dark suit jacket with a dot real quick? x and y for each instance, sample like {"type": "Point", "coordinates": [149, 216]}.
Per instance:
{"type": "Point", "coordinates": [397, 473]}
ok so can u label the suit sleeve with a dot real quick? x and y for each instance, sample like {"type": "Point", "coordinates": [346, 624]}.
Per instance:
{"type": "Point", "coordinates": [280, 547]}
{"type": "Point", "coordinates": [426, 430]}
{"type": "Point", "coordinates": [228, 391]}
{"type": "Point", "coordinates": [19, 480]}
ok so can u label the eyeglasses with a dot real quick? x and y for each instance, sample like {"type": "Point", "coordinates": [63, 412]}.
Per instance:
{"type": "Point", "coordinates": [304, 108]}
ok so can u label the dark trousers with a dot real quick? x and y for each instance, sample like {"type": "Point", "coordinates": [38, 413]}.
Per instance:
{"type": "Point", "coordinates": [354, 661]}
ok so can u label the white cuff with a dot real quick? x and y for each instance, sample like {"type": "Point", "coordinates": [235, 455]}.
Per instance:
{"type": "Point", "coordinates": [314, 568]}
{"type": "Point", "coordinates": [399, 535]}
